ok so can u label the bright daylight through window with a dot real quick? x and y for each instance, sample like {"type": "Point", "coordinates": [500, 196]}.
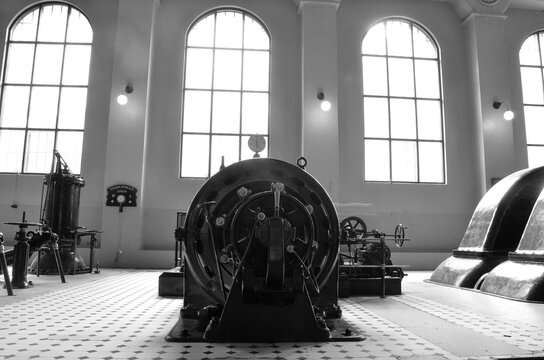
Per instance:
{"type": "Point", "coordinates": [226, 91]}
{"type": "Point", "coordinates": [532, 66]}
{"type": "Point", "coordinates": [402, 102]}
{"type": "Point", "coordinates": [44, 89]}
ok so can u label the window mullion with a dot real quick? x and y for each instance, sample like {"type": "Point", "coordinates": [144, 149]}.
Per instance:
{"type": "Point", "coordinates": [241, 88]}
{"type": "Point", "coordinates": [415, 101]}
{"type": "Point", "coordinates": [388, 106]}
{"type": "Point", "coordinates": [212, 96]}
{"type": "Point", "coordinates": [31, 87]}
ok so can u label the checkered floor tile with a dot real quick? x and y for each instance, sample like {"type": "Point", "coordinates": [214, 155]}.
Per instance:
{"type": "Point", "coordinates": [120, 316]}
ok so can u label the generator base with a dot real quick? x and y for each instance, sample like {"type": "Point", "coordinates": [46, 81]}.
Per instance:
{"type": "Point", "coordinates": [72, 263]}
{"type": "Point", "coordinates": [192, 330]}
{"type": "Point", "coordinates": [464, 271]}
{"type": "Point", "coordinates": [516, 280]}
{"type": "Point", "coordinates": [171, 283]}
{"type": "Point", "coordinates": [368, 286]}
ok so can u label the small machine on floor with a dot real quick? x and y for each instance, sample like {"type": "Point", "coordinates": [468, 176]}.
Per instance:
{"type": "Point", "coordinates": [367, 268]}
{"type": "Point", "coordinates": [261, 241]}
{"type": "Point", "coordinates": [60, 214]}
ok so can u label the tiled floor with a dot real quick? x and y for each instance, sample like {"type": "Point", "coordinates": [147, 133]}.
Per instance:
{"type": "Point", "coordinates": [117, 315]}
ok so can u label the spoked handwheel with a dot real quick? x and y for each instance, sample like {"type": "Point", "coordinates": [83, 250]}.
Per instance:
{"type": "Point", "coordinates": [400, 235]}
{"type": "Point", "coordinates": [355, 227]}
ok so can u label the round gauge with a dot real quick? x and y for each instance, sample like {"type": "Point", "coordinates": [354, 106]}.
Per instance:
{"type": "Point", "coordinates": [121, 199]}
{"type": "Point", "coordinates": [256, 143]}
{"type": "Point", "coordinates": [302, 162]}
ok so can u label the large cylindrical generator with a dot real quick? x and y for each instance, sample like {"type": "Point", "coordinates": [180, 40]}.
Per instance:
{"type": "Point", "coordinates": [261, 243]}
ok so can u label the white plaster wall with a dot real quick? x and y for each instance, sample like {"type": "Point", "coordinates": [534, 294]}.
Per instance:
{"type": "Point", "coordinates": [142, 41]}
{"type": "Point", "coordinates": [436, 215]}
{"type": "Point", "coordinates": [25, 190]}
{"type": "Point", "coordinates": [165, 193]}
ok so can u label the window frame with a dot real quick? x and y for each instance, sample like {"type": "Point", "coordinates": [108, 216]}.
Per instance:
{"type": "Point", "coordinates": [31, 85]}
{"type": "Point", "coordinates": [240, 134]}
{"type": "Point", "coordinates": [537, 34]}
{"type": "Point", "coordinates": [415, 98]}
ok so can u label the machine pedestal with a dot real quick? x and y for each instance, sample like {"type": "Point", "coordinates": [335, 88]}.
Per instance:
{"type": "Point", "coordinates": [516, 280]}
{"type": "Point", "coordinates": [72, 263]}
{"type": "Point", "coordinates": [171, 283]}
{"type": "Point", "coordinates": [464, 271]}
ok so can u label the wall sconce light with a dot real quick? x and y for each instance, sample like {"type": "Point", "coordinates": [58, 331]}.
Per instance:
{"type": "Point", "coordinates": [123, 99]}
{"type": "Point", "coordinates": [325, 104]}
{"type": "Point", "coordinates": [508, 114]}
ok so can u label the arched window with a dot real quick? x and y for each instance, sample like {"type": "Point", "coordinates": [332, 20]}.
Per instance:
{"type": "Point", "coordinates": [44, 89]}
{"type": "Point", "coordinates": [402, 104]}
{"type": "Point", "coordinates": [226, 91]}
{"type": "Point", "coordinates": [532, 67]}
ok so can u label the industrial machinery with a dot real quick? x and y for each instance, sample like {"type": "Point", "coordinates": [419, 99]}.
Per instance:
{"type": "Point", "coordinates": [60, 213]}
{"type": "Point", "coordinates": [367, 268]}
{"type": "Point", "coordinates": [261, 241]}
{"type": "Point", "coordinates": [26, 243]}
{"type": "Point", "coordinates": [495, 230]}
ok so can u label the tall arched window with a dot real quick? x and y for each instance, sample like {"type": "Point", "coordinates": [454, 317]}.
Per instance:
{"type": "Point", "coordinates": [44, 90]}
{"type": "Point", "coordinates": [532, 68]}
{"type": "Point", "coordinates": [226, 91]}
{"type": "Point", "coordinates": [402, 101]}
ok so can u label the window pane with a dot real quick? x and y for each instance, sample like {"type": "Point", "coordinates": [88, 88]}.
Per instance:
{"type": "Point", "coordinates": [70, 146]}
{"type": "Point", "coordinates": [53, 23]}
{"type": "Point", "coordinates": [19, 63]}
{"type": "Point", "coordinates": [535, 155]}
{"type": "Point", "coordinates": [14, 106]}
{"type": "Point", "coordinates": [377, 160]}
{"type": "Point", "coordinates": [48, 66]}
{"type": "Point", "coordinates": [423, 45]}
{"type": "Point", "coordinates": [196, 111]}
{"type": "Point", "coordinates": [79, 29]}
{"type": "Point", "coordinates": [11, 150]}
{"type": "Point", "coordinates": [531, 81]}
{"type": "Point", "coordinates": [427, 81]}
{"type": "Point", "coordinates": [374, 76]}
{"type": "Point", "coordinates": [401, 77]}
{"type": "Point", "coordinates": [256, 70]}
{"type": "Point", "coordinates": [227, 70]}
{"type": "Point", "coordinates": [194, 155]}
{"type": "Point", "coordinates": [226, 112]}
{"type": "Point", "coordinates": [374, 41]}
{"type": "Point", "coordinates": [429, 120]}
{"type": "Point", "coordinates": [255, 36]}
{"type": "Point", "coordinates": [404, 161]}
{"type": "Point", "coordinates": [43, 107]}
{"type": "Point", "coordinates": [248, 154]}
{"type": "Point", "coordinates": [227, 147]}
{"type": "Point", "coordinates": [534, 124]}
{"type": "Point", "coordinates": [376, 113]}
{"type": "Point", "coordinates": [73, 102]}
{"type": "Point", "coordinates": [201, 33]}
{"type": "Point", "coordinates": [255, 113]}
{"type": "Point", "coordinates": [39, 151]}
{"type": "Point", "coordinates": [431, 162]}
{"type": "Point", "coordinates": [529, 53]}
{"type": "Point", "coordinates": [399, 38]}
{"type": "Point", "coordinates": [228, 29]}
{"type": "Point", "coordinates": [26, 27]}
{"type": "Point", "coordinates": [76, 65]}
{"type": "Point", "coordinates": [403, 119]}
{"type": "Point", "coordinates": [198, 73]}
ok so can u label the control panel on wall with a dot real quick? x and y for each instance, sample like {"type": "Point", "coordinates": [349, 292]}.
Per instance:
{"type": "Point", "coordinates": [121, 196]}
